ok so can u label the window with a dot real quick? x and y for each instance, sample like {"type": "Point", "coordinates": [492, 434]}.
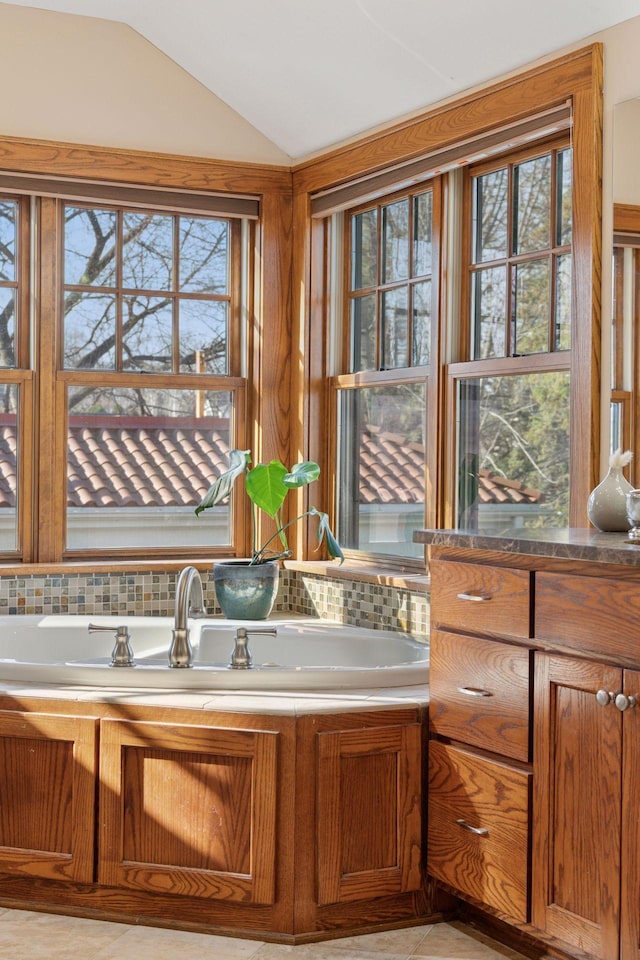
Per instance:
{"type": "Point", "coordinates": [145, 293]}
{"type": "Point", "coordinates": [513, 395]}
{"type": "Point", "coordinates": [503, 423]}
{"type": "Point", "coordinates": [382, 395]}
{"type": "Point", "coordinates": [138, 375]}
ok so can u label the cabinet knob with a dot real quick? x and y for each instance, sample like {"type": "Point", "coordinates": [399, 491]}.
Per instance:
{"type": "Point", "coordinates": [479, 831]}
{"type": "Point", "coordinates": [474, 597]}
{"type": "Point", "coordinates": [474, 692]}
{"type": "Point", "coordinates": [624, 702]}
{"type": "Point", "coordinates": [604, 698]}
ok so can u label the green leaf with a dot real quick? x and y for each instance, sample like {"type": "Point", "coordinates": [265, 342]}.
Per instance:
{"type": "Point", "coordinates": [325, 533]}
{"type": "Point", "coordinates": [221, 488]}
{"type": "Point", "coordinates": [301, 474]}
{"type": "Point", "coordinates": [265, 486]}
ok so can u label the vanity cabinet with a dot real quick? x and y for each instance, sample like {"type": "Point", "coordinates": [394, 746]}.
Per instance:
{"type": "Point", "coordinates": [479, 719]}
{"type": "Point", "coordinates": [553, 703]}
{"type": "Point", "coordinates": [48, 770]}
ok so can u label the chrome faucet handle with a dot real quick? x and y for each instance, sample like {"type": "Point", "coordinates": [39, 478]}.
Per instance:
{"type": "Point", "coordinates": [122, 654]}
{"type": "Point", "coordinates": [241, 657]}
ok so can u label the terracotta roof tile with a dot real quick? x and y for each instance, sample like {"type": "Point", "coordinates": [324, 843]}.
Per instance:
{"type": "Point", "coordinates": [132, 465]}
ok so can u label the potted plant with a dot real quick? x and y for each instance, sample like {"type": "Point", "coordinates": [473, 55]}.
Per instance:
{"type": "Point", "coordinates": [246, 589]}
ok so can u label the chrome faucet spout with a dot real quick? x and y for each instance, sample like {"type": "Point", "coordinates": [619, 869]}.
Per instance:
{"type": "Point", "coordinates": [189, 581]}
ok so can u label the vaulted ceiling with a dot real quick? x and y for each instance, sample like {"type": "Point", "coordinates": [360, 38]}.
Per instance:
{"type": "Point", "coordinates": [310, 73]}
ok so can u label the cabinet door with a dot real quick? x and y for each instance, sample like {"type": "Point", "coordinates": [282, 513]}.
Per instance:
{"type": "Point", "coordinates": [47, 795]}
{"type": "Point", "coordinates": [188, 809]}
{"type": "Point", "coordinates": [577, 792]}
{"type": "Point", "coordinates": [630, 909]}
{"type": "Point", "coordinates": [479, 827]}
{"type": "Point", "coordinates": [369, 814]}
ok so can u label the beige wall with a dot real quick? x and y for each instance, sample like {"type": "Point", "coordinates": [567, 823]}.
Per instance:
{"type": "Point", "coordinates": [83, 80]}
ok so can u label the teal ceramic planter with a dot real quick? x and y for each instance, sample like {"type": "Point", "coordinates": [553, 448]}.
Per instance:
{"type": "Point", "coordinates": [245, 591]}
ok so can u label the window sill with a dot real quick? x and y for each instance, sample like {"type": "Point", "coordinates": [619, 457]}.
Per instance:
{"type": "Point", "coordinates": [409, 580]}
{"type": "Point", "coordinates": [71, 567]}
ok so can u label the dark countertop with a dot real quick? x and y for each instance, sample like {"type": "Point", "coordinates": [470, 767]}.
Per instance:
{"type": "Point", "coordinates": [563, 543]}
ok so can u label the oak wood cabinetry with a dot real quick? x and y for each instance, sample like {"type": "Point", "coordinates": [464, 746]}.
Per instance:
{"type": "Point", "coordinates": [47, 795]}
{"type": "Point", "coordinates": [584, 817]}
{"type": "Point", "coordinates": [282, 826]}
{"type": "Point", "coordinates": [478, 839]}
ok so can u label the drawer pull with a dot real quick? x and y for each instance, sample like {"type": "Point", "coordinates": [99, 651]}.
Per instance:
{"type": "Point", "coordinates": [474, 692]}
{"type": "Point", "coordinates": [479, 831]}
{"type": "Point", "coordinates": [474, 597]}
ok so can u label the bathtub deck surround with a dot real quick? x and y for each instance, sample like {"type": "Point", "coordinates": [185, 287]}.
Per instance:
{"type": "Point", "coordinates": [291, 854]}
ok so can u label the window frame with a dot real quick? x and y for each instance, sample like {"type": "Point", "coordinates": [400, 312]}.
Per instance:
{"type": "Point", "coordinates": [245, 192]}
{"type": "Point", "coordinates": [574, 79]}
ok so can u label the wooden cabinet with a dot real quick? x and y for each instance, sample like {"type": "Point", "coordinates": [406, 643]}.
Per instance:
{"type": "Point", "coordinates": [188, 808]}
{"type": "Point", "coordinates": [47, 795]}
{"type": "Point", "coordinates": [580, 729]}
{"type": "Point", "coordinates": [586, 835]}
{"type": "Point", "coordinates": [479, 797]}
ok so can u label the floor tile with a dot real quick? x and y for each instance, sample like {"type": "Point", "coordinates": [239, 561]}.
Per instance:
{"type": "Point", "coordinates": [37, 936]}
{"type": "Point", "coordinates": [155, 943]}
{"type": "Point", "coordinates": [41, 936]}
{"type": "Point", "coordinates": [456, 941]}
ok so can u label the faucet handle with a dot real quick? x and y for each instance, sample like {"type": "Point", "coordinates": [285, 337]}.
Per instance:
{"type": "Point", "coordinates": [122, 654]}
{"type": "Point", "coordinates": [241, 657]}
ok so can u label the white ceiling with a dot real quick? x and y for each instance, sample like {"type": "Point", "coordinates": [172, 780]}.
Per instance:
{"type": "Point", "coordinates": [310, 73]}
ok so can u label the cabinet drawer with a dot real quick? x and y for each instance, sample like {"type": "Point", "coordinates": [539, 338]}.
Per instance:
{"type": "Point", "coordinates": [480, 599]}
{"type": "Point", "coordinates": [588, 613]}
{"type": "Point", "coordinates": [479, 692]}
{"type": "Point", "coordinates": [479, 827]}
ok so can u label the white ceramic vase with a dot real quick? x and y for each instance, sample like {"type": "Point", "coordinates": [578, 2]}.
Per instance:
{"type": "Point", "coordinates": [607, 503]}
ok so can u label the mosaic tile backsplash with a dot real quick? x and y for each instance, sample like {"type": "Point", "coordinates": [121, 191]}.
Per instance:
{"type": "Point", "coordinates": [152, 594]}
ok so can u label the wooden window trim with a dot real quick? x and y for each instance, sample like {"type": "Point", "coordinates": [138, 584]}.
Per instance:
{"type": "Point", "coordinates": [576, 77]}
{"type": "Point", "coordinates": [269, 240]}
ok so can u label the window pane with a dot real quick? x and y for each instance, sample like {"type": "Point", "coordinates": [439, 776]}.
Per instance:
{"type": "Point", "coordinates": [490, 216]}
{"type": "Point", "coordinates": [89, 331]}
{"type": "Point", "coordinates": [147, 258]}
{"type": "Point", "coordinates": [532, 295]}
{"type": "Point", "coordinates": [90, 247]}
{"type": "Point", "coordinates": [395, 241]}
{"type": "Point", "coordinates": [204, 254]}
{"type": "Point", "coordinates": [8, 226]}
{"type": "Point", "coordinates": [513, 452]}
{"type": "Point", "coordinates": [422, 233]}
{"type": "Point", "coordinates": [10, 466]}
{"type": "Point", "coordinates": [203, 336]}
{"type": "Point", "coordinates": [364, 257]}
{"type": "Point", "coordinates": [138, 463]}
{"type": "Point", "coordinates": [421, 294]}
{"type": "Point", "coordinates": [381, 468]}
{"type": "Point", "coordinates": [490, 311]}
{"type": "Point", "coordinates": [363, 333]}
{"type": "Point", "coordinates": [565, 181]}
{"type": "Point", "coordinates": [533, 197]}
{"type": "Point", "coordinates": [7, 327]}
{"type": "Point", "coordinates": [147, 333]}
{"type": "Point", "coordinates": [563, 303]}
{"type": "Point", "coordinates": [395, 307]}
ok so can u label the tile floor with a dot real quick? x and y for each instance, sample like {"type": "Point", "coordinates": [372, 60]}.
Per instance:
{"type": "Point", "coordinates": [38, 936]}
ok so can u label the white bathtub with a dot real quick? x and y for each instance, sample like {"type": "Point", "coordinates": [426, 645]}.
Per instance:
{"type": "Point", "coordinates": [305, 654]}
